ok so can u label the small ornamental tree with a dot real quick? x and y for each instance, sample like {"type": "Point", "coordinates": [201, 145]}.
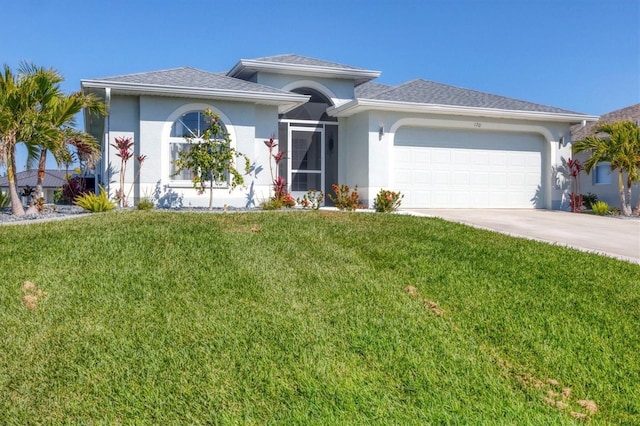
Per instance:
{"type": "Point", "coordinates": [124, 150]}
{"type": "Point", "coordinates": [281, 197]}
{"type": "Point", "coordinates": [211, 159]}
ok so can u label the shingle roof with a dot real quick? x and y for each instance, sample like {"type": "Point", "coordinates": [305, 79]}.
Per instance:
{"type": "Point", "coordinates": [52, 178]}
{"type": "Point", "coordinates": [428, 92]}
{"type": "Point", "coordinates": [191, 78]}
{"type": "Point", "coordinates": [303, 60]}
{"type": "Point", "coordinates": [369, 89]}
{"type": "Point", "coordinates": [630, 113]}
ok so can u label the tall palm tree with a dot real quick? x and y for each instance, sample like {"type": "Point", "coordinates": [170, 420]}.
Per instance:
{"type": "Point", "coordinates": [20, 96]}
{"type": "Point", "coordinates": [619, 144]}
{"type": "Point", "coordinates": [34, 111]}
{"type": "Point", "coordinates": [59, 115]}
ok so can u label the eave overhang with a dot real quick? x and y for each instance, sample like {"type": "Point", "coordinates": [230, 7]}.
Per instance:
{"type": "Point", "coordinates": [360, 105]}
{"type": "Point", "coordinates": [285, 100]}
{"type": "Point", "coordinates": [246, 68]}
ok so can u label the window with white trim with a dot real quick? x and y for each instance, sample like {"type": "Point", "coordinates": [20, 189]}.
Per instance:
{"type": "Point", "coordinates": [602, 174]}
{"type": "Point", "coordinates": [190, 125]}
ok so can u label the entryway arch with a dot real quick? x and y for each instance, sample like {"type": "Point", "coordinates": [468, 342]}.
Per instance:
{"type": "Point", "coordinates": [309, 137]}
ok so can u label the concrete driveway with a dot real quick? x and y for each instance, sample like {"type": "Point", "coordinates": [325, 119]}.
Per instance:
{"type": "Point", "coordinates": [619, 238]}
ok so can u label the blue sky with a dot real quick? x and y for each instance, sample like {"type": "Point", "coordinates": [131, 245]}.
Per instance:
{"type": "Point", "coordinates": [581, 55]}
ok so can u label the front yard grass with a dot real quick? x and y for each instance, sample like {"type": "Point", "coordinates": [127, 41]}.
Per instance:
{"type": "Point", "coordinates": [310, 317]}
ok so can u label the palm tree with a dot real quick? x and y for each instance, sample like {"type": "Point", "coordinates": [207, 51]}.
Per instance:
{"type": "Point", "coordinates": [34, 111]}
{"type": "Point", "coordinates": [619, 144]}
{"type": "Point", "coordinates": [60, 114]}
{"type": "Point", "coordinates": [20, 96]}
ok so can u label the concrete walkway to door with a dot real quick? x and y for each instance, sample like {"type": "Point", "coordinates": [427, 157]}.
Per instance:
{"type": "Point", "coordinates": [619, 238]}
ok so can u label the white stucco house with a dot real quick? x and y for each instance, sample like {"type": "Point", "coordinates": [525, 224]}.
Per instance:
{"type": "Point", "coordinates": [441, 146]}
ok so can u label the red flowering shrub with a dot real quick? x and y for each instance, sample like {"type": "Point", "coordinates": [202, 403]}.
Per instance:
{"type": "Point", "coordinates": [387, 201]}
{"type": "Point", "coordinates": [344, 198]}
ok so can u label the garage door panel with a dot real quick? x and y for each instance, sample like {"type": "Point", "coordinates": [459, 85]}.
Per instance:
{"type": "Point", "coordinates": [450, 168]}
{"type": "Point", "coordinates": [498, 179]}
{"type": "Point", "coordinates": [517, 179]}
{"type": "Point", "coordinates": [421, 177]}
{"type": "Point", "coordinates": [461, 178]}
{"type": "Point", "coordinates": [498, 159]}
{"type": "Point", "coordinates": [441, 156]}
{"type": "Point", "coordinates": [441, 178]}
{"type": "Point", "coordinates": [481, 179]}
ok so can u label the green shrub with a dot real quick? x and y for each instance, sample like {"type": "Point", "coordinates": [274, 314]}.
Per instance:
{"type": "Point", "coordinates": [387, 201]}
{"type": "Point", "coordinates": [589, 199]}
{"type": "Point", "coordinates": [145, 204]}
{"type": "Point", "coordinates": [277, 202]}
{"type": "Point", "coordinates": [5, 200]}
{"type": "Point", "coordinates": [94, 203]}
{"type": "Point", "coordinates": [58, 196]}
{"type": "Point", "coordinates": [312, 199]}
{"type": "Point", "coordinates": [600, 208]}
{"type": "Point", "coordinates": [345, 199]}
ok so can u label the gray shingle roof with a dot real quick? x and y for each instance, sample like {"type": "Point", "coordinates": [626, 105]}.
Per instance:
{"type": "Point", "coordinates": [303, 60]}
{"type": "Point", "coordinates": [52, 179]}
{"type": "Point", "coordinates": [369, 89]}
{"type": "Point", "coordinates": [428, 92]}
{"type": "Point", "coordinates": [630, 113]}
{"type": "Point", "coordinates": [191, 78]}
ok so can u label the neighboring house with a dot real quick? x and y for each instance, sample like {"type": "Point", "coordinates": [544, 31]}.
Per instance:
{"type": "Point", "coordinates": [602, 181]}
{"type": "Point", "coordinates": [441, 146]}
{"type": "Point", "coordinates": [52, 179]}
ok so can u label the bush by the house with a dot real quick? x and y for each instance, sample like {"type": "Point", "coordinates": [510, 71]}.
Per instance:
{"type": "Point", "coordinates": [387, 201]}
{"type": "Point", "coordinates": [312, 199]}
{"type": "Point", "coordinates": [589, 200]}
{"type": "Point", "coordinates": [145, 204]}
{"type": "Point", "coordinates": [344, 198]}
{"type": "Point", "coordinates": [73, 188]}
{"type": "Point", "coordinates": [94, 203]}
{"type": "Point", "coordinates": [600, 208]}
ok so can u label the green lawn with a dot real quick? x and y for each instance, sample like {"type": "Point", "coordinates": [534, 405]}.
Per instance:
{"type": "Point", "coordinates": [305, 318]}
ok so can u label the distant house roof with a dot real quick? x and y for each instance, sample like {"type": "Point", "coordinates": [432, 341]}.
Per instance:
{"type": "Point", "coordinates": [630, 113]}
{"type": "Point", "coordinates": [52, 179]}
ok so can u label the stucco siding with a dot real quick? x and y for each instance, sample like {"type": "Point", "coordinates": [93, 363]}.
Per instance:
{"type": "Point", "coordinates": [124, 121]}
{"type": "Point", "coordinates": [354, 146]}
{"type": "Point", "coordinates": [148, 121]}
{"type": "Point", "coordinates": [338, 90]}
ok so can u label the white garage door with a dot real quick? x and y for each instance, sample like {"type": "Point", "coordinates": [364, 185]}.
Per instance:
{"type": "Point", "coordinates": [437, 168]}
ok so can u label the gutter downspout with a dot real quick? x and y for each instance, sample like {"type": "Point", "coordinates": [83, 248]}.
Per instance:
{"type": "Point", "coordinates": [107, 138]}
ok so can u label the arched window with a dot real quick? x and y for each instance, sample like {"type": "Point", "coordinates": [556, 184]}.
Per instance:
{"type": "Point", "coordinates": [191, 125]}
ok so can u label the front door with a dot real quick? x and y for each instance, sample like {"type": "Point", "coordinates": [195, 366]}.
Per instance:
{"type": "Point", "coordinates": [306, 160]}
